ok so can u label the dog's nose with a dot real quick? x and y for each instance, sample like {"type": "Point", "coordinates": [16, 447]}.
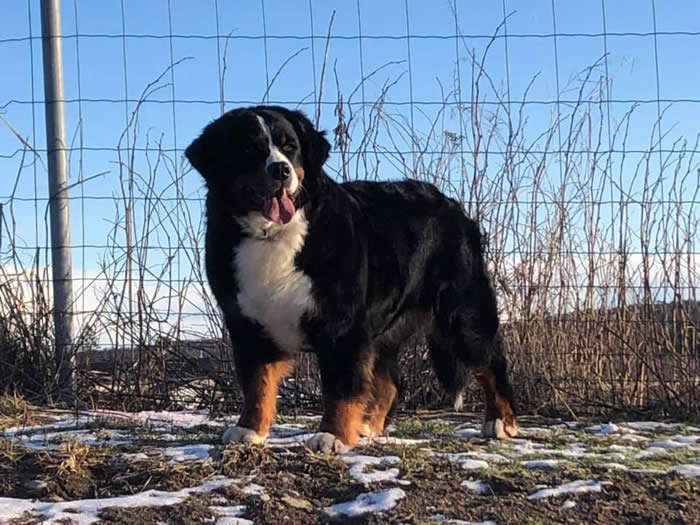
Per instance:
{"type": "Point", "coordinates": [279, 170]}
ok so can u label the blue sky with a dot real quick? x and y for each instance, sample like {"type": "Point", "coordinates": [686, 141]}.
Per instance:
{"type": "Point", "coordinates": [157, 36]}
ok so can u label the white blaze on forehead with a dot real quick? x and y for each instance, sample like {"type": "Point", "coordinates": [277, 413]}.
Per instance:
{"type": "Point", "coordinates": [276, 155]}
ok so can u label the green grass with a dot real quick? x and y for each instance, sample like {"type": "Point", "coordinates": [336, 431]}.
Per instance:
{"type": "Point", "coordinates": [416, 428]}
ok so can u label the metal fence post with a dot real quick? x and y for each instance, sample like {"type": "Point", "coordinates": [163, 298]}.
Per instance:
{"type": "Point", "coordinates": [58, 193]}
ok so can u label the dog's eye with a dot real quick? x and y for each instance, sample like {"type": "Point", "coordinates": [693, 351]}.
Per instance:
{"type": "Point", "coordinates": [289, 147]}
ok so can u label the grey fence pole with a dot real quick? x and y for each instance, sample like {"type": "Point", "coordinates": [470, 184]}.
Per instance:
{"type": "Point", "coordinates": [58, 193]}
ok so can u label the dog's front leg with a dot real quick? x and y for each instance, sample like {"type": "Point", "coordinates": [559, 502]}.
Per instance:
{"type": "Point", "coordinates": [259, 381]}
{"type": "Point", "coordinates": [346, 375]}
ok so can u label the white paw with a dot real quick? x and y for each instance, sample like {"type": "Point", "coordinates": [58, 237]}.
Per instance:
{"type": "Point", "coordinates": [459, 401]}
{"type": "Point", "coordinates": [496, 428]}
{"type": "Point", "coordinates": [236, 434]}
{"type": "Point", "coordinates": [326, 443]}
{"type": "Point", "coordinates": [366, 431]}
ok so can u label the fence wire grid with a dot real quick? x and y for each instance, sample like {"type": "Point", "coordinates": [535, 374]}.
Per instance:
{"type": "Point", "coordinates": [568, 130]}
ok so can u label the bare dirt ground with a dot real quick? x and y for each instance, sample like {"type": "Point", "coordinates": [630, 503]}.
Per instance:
{"type": "Point", "coordinates": [169, 467]}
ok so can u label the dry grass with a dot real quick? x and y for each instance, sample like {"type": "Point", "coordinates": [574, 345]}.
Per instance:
{"type": "Point", "coordinates": [76, 458]}
{"type": "Point", "coordinates": [15, 411]}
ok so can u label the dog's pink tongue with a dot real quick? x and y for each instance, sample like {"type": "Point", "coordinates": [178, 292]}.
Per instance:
{"type": "Point", "coordinates": [280, 210]}
{"type": "Point", "coordinates": [286, 207]}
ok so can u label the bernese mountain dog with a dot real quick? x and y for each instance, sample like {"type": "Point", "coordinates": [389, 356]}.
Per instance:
{"type": "Point", "coordinates": [301, 263]}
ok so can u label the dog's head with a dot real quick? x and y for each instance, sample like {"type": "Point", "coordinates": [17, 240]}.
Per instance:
{"type": "Point", "coordinates": [260, 159]}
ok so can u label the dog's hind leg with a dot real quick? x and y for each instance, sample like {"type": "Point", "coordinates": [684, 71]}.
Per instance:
{"type": "Point", "coordinates": [500, 419]}
{"type": "Point", "coordinates": [449, 369]}
{"type": "Point", "coordinates": [466, 333]}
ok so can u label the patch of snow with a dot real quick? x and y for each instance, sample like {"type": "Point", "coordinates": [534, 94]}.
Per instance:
{"type": "Point", "coordinates": [185, 418]}
{"type": "Point", "coordinates": [473, 425]}
{"type": "Point", "coordinates": [634, 438]}
{"type": "Point", "coordinates": [615, 466]}
{"type": "Point", "coordinates": [477, 486]}
{"type": "Point", "coordinates": [466, 433]}
{"type": "Point", "coordinates": [388, 440]}
{"type": "Point", "coordinates": [187, 452]}
{"type": "Point", "coordinates": [576, 450]}
{"type": "Point", "coordinates": [649, 425]}
{"type": "Point", "coordinates": [463, 460]}
{"type": "Point", "coordinates": [487, 456]}
{"type": "Point", "coordinates": [650, 452]}
{"type": "Point", "coordinates": [289, 440]}
{"type": "Point", "coordinates": [691, 440]}
{"type": "Point", "coordinates": [254, 489]}
{"type": "Point", "coordinates": [361, 468]}
{"type": "Point", "coordinates": [285, 431]}
{"type": "Point", "coordinates": [543, 463]}
{"type": "Point", "coordinates": [523, 446]}
{"type": "Point", "coordinates": [231, 520]}
{"type": "Point", "coordinates": [605, 429]}
{"type": "Point", "coordinates": [441, 518]}
{"type": "Point", "coordinates": [382, 500]}
{"type": "Point", "coordinates": [622, 448]}
{"type": "Point", "coordinates": [138, 456]}
{"type": "Point", "coordinates": [85, 512]}
{"type": "Point", "coordinates": [686, 470]}
{"type": "Point", "coordinates": [574, 487]}
{"type": "Point", "coordinates": [675, 442]}
{"type": "Point", "coordinates": [234, 511]}
{"type": "Point", "coordinates": [473, 464]}
{"type": "Point", "coordinates": [647, 471]}
{"type": "Point", "coordinates": [568, 504]}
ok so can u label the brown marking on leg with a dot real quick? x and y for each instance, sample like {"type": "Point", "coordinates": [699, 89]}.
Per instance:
{"type": "Point", "coordinates": [383, 394]}
{"type": "Point", "coordinates": [260, 396]}
{"type": "Point", "coordinates": [299, 170]}
{"type": "Point", "coordinates": [344, 418]}
{"type": "Point", "coordinates": [345, 406]}
{"type": "Point", "coordinates": [497, 406]}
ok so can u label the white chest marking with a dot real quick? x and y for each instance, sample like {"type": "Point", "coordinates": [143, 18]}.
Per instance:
{"type": "Point", "coordinates": [272, 291]}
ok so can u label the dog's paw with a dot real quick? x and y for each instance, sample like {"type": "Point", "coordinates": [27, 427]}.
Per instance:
{"type": "Point", "coordinates": [366, 431]}
{"type": "Point", "coordinates": [499, 429]}
{"type": "Point", "coordinates": [458, 404]}
{"type": "Point", "coordinates": [326, 443]}
{"type": "Point", "coordinates": [236, 434]}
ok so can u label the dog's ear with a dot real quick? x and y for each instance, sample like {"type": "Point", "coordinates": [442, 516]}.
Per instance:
{"type": "Point", "coordinates": [315, 147]}
{"type": "Point", "coordinates": [205, 152]}
{"type": "Point", "coordinates": [197, 154]}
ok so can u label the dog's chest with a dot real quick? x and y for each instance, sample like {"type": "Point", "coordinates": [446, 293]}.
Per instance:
{"type": "Point", "coordinates": [272, 291]}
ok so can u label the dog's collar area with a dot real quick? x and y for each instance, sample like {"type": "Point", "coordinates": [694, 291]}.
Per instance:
{"type": "Point", "coordinates": [263, 233]}
{"type": "Point", "coordinates": [260, 228]}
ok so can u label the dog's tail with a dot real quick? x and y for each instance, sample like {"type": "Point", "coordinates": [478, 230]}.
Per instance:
{"type": "Point", "coordinates": [451, 372]}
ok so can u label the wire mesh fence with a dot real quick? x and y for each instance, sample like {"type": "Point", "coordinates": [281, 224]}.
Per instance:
{"type": "Point", "coordinates": [568, 131]}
